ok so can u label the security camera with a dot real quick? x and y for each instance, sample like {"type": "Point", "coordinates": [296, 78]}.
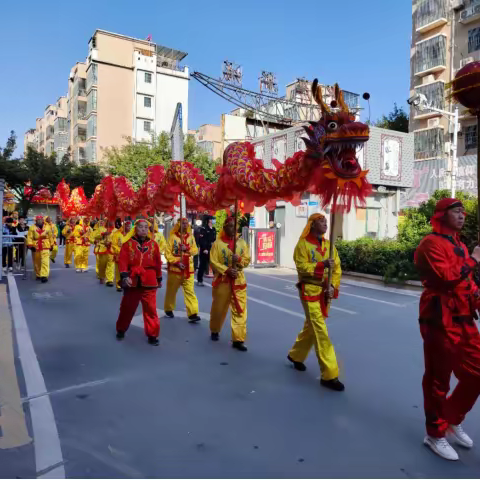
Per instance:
{"type": "Point", "coordinates": [418, 101]}
{"type": "Point", "coordinates": [414, 101]}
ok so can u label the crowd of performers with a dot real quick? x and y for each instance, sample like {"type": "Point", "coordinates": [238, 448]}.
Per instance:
{"type": "Point", "coordinates": [129, 257]}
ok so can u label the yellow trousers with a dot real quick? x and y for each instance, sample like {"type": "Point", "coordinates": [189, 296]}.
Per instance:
{"type": "Point", "coordinates": [97, 265]}
{"type": "Point", "coordinates": [69, 251]}
{"type": "Point", "coordinates": [174, 282]}
{"type": "Point", "coordinates": [315, 334]}
{"type": "Point", "coordinates": [106, 267]}
{"type": "Point", "coordinates": [118, 280]}
{"type": "Point", "coordinates": [41, 263]}
{"type": "Point", "coordinates": [222, 301]}
{"type": "Point", "coordinates": [81, 257]}
{"type": "Point", "coordinates": [53, 253]}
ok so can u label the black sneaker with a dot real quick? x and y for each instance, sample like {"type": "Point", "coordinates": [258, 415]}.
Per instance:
{"type": "Point", "coordinates": [334, 384]}
{"type": "Point", "coordinates": [39, 278]}
{"type": "Point", "coordinates": [67, 265]}
{"type": "Point", "coordinates": [44, 279]}
{"type": "Point", "coordinates": [194, 318]}
{"type": "Point", "coordinates": [239, 346]}
{"type": "Point", "coordinates": [169, 314]}
{"type": "Point", "coordinates": [53, 260]}
{"type": "Point", "coordinates": [297, 365]}
{"type": "Point", "coordinates": [119, 289]}
{"type": "Point", "coordinates": [153, 341]}
{"type": "Point", "coordinates": [215, 336]}
{"type": "Point", "coordinates": [120, 335]}
{"type": "Point", "coordinates": [109, 284]}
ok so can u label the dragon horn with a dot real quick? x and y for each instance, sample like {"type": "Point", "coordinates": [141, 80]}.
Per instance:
{"type": "Point", "coordinates": [340, 100]}
{"type": "Point", "coordinates": [317, 95]}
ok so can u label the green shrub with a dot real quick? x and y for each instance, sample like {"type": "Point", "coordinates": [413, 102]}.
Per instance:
{"type": "Point", "coordinates": [393, 258]}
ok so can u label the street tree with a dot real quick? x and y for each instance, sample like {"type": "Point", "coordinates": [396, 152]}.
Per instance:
{"type": "Point", "coordinates": [397, 120]}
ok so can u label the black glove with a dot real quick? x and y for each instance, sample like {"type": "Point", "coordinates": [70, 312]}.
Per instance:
{"type": "Point", "coordinates": [33, 249]}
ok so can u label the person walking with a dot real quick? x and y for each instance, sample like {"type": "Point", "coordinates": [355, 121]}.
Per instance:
{"type": "Point", "coordinates": [451, 341]}
{"type": "Point", "coordinates": [7, 244]}
{"type": "Point", "coordinates": [206, 239]}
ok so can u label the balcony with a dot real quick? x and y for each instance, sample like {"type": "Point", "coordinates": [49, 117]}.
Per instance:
{"type": "Point", "coordinates": [429, 144]}
{"type": "Point", "coordinates": [471, 12]}
{"type": "Point", "coordinates": [430, 14]}
{"type": "Point", "coordinates": [79, 134]}
{"type": "Point", "coordinates": [435, 93]}
{"type": "Point", "coordinates": [430, 56]}
{"type": "Point", "coordinates": [92, 77]}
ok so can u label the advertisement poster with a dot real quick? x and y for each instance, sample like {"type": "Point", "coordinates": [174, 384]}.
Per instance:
{"type": "Point", "coordinates": [391, 158]}
{"type": "Point", "coordinates": [266, 247]}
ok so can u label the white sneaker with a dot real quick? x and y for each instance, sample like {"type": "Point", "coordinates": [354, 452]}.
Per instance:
{"type": "Point", "coordinates": [456, 433]}
{"type": "Point", "coordinates": [10, 269]}
{"type": "Point", "coordinates": [441, 447]}
{"type": "Point", "coordinates": [78, 270]}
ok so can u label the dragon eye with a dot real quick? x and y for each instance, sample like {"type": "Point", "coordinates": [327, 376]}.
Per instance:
{"type": "Point", "coordinates": [332, 125]}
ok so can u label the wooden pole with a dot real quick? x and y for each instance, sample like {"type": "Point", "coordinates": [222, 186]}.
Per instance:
{"type": "Point", "coordinates": [235, 233]}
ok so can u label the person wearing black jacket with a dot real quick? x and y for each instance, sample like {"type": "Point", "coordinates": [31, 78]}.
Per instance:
{"type": "Point", "coordinates": [206, 239]}
{"type": "Point", "coordinates": [20, 252]}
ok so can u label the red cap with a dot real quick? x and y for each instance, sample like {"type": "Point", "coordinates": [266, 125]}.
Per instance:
{"type": "Point", "coordinates": [440, 209]}
{"type": "Point", "coordinates": [39, 217]}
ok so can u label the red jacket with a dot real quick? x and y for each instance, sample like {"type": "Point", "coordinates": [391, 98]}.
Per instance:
{"type": "Point", "coordinates": [141, 261]}
{"type": "Point", "coordinates": [446, 270]}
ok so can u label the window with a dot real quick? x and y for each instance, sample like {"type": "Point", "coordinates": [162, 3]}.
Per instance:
{"type": "Point", "coordinates": [92, 126]}
{"type": "Point", "coordinates": [473, 40]}
{"type": "Point", "coordinates": [430, 10]}
{"type": "Point", "coordinates": [147, 102]}
{"type": "Point", "coordinates": [435, 93]}
{"type": "Point", "coordinates": [148, 77]}
{"type": "Point", "coordinates": [428, 143]}
{"type": "Point", "coordinates": [147, 126]}
{"type": "Point", "coordinates": [470, 137]}
{"type": "Point", "coordinates": [431, 53]}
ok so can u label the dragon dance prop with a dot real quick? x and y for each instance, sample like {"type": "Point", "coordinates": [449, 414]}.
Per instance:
{"type": "Point", "coordinates": [465, 89]}
{"type": "Point", "coordinates": [328, 168]}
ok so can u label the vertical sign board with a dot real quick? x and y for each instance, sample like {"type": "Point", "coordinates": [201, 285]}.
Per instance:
{"type": "Point", "coordinates": [176, 140]}
{"type": "Point", "coordinates": [265, 248]}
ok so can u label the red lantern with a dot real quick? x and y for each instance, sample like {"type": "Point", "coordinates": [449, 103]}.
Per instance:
{"type": "Point", "coordinates": [466, 86]}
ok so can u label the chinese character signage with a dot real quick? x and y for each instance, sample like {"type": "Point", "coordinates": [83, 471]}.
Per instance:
{"type": "Point", "coordinates": [266, 247]}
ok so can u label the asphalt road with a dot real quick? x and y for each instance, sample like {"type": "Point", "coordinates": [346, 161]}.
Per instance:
{"type": "Point", "coordinates": [194, 408]}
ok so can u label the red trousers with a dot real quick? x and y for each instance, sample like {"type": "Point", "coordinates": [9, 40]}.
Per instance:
{"type": "Point", "coordinates": [128, 307]}
{"type": "Point", "coordinates": [450, 349]}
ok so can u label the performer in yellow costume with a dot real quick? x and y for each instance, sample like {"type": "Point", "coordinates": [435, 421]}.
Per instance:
{"type": "Point", "coordinates": [39, 241]}
{"type": "Point", "coordinates": [229, 285]}
{"type": "Point", "coordinates": [117, 242]}
{"type": "Point", "coordinates": [67, 232]}
{"type": "Point", "coordinates": [179, 254]}
{"type": "Point", "coordinates": [105, 262]}
{"type": "Point", "coordinates": [82, 233]}
{"type": "Point", "coordinates": [54, 229]}
{"type": "Point", "coordinates": [311, 258]}
{"type": "Point", "coordinates": [94, 239]}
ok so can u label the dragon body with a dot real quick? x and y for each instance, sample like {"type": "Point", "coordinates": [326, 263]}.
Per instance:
{"type": "Point", "coordinates": [328, 167]}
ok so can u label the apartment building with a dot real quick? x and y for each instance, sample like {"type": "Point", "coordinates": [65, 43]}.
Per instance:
{"type": "Point", "coordinates": [50, 133]}
{"type": "Point", "coordinates": [445, 36]}
{"type": "Point", "coordinates": [209, 138]}
{"type": "Point", "coordinates": [126, 87]}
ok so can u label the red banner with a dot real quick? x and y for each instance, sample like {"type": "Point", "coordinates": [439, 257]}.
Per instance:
{"type": "Point", "coordinates": [266, 247]}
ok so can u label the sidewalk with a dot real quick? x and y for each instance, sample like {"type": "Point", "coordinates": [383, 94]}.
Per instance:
{"type": "Point", "coordinates": [16, 446]}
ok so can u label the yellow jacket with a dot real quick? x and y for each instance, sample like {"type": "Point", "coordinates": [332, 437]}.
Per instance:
{"type": "Point", "coordinates": [174, 256]}
{"type": "Point", "coordinates": [162, 243]}
{"type": "Point", "coordinates": [117, 240]}
{"type": "Point", "coordinates": [221, 260]}
{"type": "Point", "coordinates": [103, 241]}
{"type": "Point", "coordinates": [82, 235]}
{"type": "Point", "coordinates": [308, 256]}
{"type": "Point", "coordinates": [67, 232]}
{"type": "Point", "coordinates": [40, 238]}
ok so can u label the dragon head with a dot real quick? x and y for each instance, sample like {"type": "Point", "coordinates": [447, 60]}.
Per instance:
{"type": "Point", "coordinates": [336, 137]}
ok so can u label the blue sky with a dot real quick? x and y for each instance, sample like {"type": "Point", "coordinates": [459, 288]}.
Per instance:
{"type": "Point", "coordinates": [364, 46]}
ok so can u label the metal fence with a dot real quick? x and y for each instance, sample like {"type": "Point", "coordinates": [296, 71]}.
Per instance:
{"type": "Point", "coordinates": [14, 255]}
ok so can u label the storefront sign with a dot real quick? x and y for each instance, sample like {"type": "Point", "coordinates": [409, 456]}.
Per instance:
{"type": "Point", "coordinates": [266, 247]}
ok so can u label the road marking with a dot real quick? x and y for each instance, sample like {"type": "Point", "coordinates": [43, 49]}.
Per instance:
{"type": "Point", "coordinates": [47, 295]}
{"type": "Point", "coordinates": [48, 452]}
{"type": "Point", "coordinates": [393, 304]}
{"type": "Point", "coordinates": [296, 298]}
{"type": "Point", "coordinates": [281, 309]}
{"type": "Point", "coordinates": [13, 428]}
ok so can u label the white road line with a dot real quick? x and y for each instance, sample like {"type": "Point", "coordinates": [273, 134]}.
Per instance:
{"type": "Point", "coordinates": [48, 452]}
{"type": "Point", "coordinates": [296, 298]}
{"type": "Point", "coordinates": [281, 309]}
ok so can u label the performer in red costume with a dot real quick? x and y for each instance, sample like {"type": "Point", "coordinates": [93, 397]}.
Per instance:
{"type": "Point", "coordinates": [450, 337]}
{"type": "Point", "coordinates": [140, 268]}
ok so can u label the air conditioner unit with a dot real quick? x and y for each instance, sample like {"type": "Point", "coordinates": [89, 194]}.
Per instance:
{"type": "Point", "coordinates": [433, 122]}
{"type": "Point", "coordinates": [464, 14]}
{"type": "Point", "coordinates": [466, 60]}
{"type": "Point", "coordinates": [477, 9]}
